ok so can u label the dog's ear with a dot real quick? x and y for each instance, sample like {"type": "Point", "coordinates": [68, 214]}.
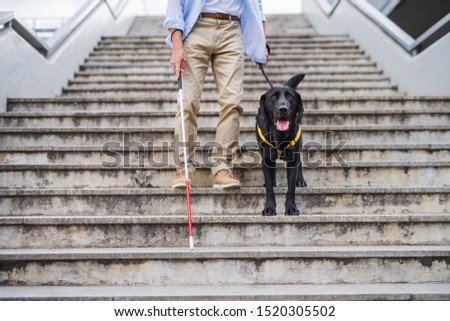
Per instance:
{"type": "Point", "coordinates": [299, 109]}
{"type": "Point", "coordinates": [294, 81]}
{"type": "Point", "coordinates": [261, 117]}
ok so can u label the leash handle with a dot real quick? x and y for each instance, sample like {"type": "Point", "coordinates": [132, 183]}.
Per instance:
{"type": "Point", "coordinates": [265, 76]}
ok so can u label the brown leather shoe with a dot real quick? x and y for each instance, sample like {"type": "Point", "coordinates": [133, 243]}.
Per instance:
{"type": "Point", "coordinates": [225, 179]}
{"type": "Point", "coordinates": [180, 180]}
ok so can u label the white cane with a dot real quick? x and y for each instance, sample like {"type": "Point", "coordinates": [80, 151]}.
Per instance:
{"type": "Point", "coordinates": [186, 172]}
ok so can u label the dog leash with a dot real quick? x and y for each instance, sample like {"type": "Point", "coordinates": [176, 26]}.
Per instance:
{"type": "Point", "coordinates": [265, 76]}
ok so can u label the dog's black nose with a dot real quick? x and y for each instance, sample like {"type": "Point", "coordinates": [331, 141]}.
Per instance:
{"type": "Point", "coordinates": [282, 109]}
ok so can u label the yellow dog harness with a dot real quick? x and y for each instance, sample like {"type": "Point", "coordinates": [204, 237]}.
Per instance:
{"type": "Point", "coordinates": [280, 151]}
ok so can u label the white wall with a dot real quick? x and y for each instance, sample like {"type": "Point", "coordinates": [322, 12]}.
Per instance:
{"type": "Point", "coordinates": [424, 74]}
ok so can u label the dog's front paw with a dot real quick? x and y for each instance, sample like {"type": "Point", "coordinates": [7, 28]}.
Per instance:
{"type": "Point", "coordinates": [292, 211]}
{"type": "Point", "coordinates": [269, 211]}
{"type": "Point", "coordinates": [301, 182]}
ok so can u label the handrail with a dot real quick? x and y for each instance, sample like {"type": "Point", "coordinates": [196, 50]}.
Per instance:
{"type": "Point", "coordinates": [411, 45]}
{"type": "Point", "coordinates": [438, 30]}
{"type": "Point", "coordinates": [117, 10]}
{"type": "Point", "coordinates": [6, 17]}
{"type": "Point", "coordinates": [326, 7]}
{"type": "Point", "coordinates": [71, 25]}
{"type": "Point", "coordinates": [29, 36]}
{"type": "Point", "coordinates": [51, 45]}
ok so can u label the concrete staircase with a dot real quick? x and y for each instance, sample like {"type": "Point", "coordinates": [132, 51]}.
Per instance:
{"type": "Point", "coordinates": [75, 226]}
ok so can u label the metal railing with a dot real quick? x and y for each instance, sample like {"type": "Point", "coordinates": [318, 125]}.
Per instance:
{"type": "Point", "coordinates": [49, 46]}
{"type": "Point", "coordinates": [44, 27]}
{"type": "Point", "coordinates": [117, 8]}
{"type": "Point", "coordinates": [328, 6]}
{"type": "Point", "coordinates": [411, 45]}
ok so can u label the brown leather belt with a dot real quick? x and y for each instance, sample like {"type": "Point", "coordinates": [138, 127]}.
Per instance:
{"type": "Point", "coordinates": [221, 16]}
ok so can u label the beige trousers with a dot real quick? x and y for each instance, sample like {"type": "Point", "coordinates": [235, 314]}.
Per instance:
{"type": "Point", "coordinates": [218, 42]}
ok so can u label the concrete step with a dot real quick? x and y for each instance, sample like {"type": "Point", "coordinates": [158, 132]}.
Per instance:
{"type": "Point", "coordinates": [207, 201]}
{"type": "Point", "coordinates": [248, 171]}
{"type": "Point", "coordinates": [275, 42]}
{"type": "Point", "coordinates": [304, 292]}
{"type": "Point", "coordinates": [270, 38]}
{"type": "Point", "coordinates": [300, 61]}
{"type": "Point", "coordinates": [280, 47]}
{"type": "Point", "coordinates": [93, 155]}
{"type": "Point", "coordinates": [159, 136]}
{"type": "Point", "coordinates": [153, 25]}
{"type": "Point", "coordinates": [133, 56]}
{"type": "Point", "coordinates": [291, 29]}
{"type": "Point", "coordinates": [166, 51]}
{"type": "Point", "coordinates": [141, 91]}
{"type": "Point", "coordinates": [440, 116]}
{"type": "Point", "coordinates": [210, 88]}
{"type": "Point", "coordinates": [277, 60]}
{"type": "Point", "coordinates": [287, 70]}
{"type": "Point", "coordinates": [244, 266]}
{"type": "Point", "coordinates": [146, 90]}
{"type": "Point", "coordinates": [248, 79]}
{"type": "Point", "coordinates": [248, 82]}
{"type": "Point", "coordinates": [280, 27]}
{"type": "Point", "coordinates": [168, 103]}
{"type": "Point", "coordinates": [211, 231]}
{"type": "Point", "coordinates": [338, 64]}
{"type": "Point", "coordinates": [249, 74]}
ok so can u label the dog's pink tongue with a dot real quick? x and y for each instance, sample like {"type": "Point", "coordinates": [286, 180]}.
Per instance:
{"type": "Point", "coordinates": [282, 125]}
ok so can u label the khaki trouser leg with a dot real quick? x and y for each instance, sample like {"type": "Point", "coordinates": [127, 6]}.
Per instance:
{"type": "Point", "coordinates": [196, 46]}
{"type": "Point", "coordinates": [227, 63]}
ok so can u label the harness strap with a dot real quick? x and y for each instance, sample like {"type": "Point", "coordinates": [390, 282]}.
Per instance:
{"type": "Point", "coordinates": [279, 151]}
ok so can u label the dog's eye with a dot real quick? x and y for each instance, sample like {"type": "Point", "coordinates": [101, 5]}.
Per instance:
{"type": "Point", "coordinates": [289, 97]}
{"type": "Point", "coordinates": [274, 97]}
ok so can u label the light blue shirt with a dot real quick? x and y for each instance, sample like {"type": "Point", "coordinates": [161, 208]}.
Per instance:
{"type": "Point", "coordinates": [182, 14]}
{"type": "Point", "coordinates": [233, 7]}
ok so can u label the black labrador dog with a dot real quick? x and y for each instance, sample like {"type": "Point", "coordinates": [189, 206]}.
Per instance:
{"type": "Point", "coordinates": [278, 133]}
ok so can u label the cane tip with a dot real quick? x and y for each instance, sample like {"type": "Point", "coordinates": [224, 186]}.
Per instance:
{"type": "Point", "coordinates": [191, 243]}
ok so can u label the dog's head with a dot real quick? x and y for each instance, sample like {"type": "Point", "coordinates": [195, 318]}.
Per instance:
{"type": "Point", "coordinates": [281, 107]}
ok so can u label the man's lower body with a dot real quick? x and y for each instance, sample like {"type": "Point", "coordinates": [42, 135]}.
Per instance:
{"type": "Point", "coordinates": [218, 42]}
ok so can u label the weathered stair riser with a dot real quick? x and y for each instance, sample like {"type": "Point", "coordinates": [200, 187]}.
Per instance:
{"type": "Point", "coordinates": [375, 217]}
{"type": "Point", "coordinates": [163, 267]}
{"type": "Point", "coordinates": [93, 155]}
{"type": "Point", "coordinates": [143, 201]}
{"type": "Point", "coordinates": [162, 119]}
{"type": "Point", "coordinates": [164, 136]}
{"type": "Point", "coordinates": [209, 104]}
{"type": "Point", "coordinates": [355, 175]}
{"type": "Point", "coordinates": [220, 231]}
